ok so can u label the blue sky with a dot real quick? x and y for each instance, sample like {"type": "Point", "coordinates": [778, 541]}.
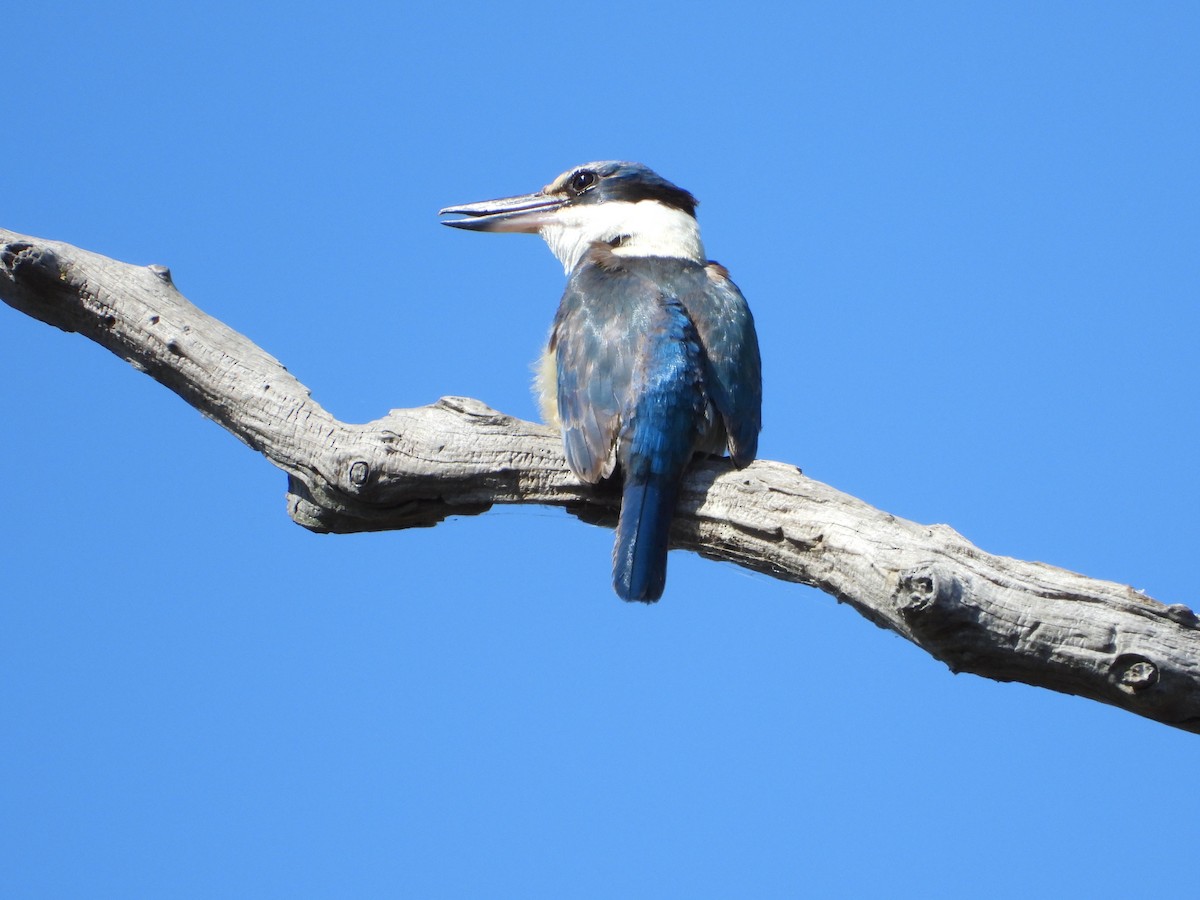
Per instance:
{"type": "Point", "coordinates": [969, 236]}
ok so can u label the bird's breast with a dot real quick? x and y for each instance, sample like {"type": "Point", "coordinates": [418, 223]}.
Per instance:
{"type": "Point", "coordinates": [545, 386]}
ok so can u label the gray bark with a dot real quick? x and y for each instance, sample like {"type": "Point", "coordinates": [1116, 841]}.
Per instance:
{"type": "Point", "coordinates": [990, 615]}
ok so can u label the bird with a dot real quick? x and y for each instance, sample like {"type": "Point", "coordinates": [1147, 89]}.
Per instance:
{"type": "Point", "coordinates": [653, 356]}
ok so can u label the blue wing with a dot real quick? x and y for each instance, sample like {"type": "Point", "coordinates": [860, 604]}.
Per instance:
{"type": "Point", "coordinates": [734, 369]}
{"type": "Point", "coordinates": [609, 317]}
{"type": "Point", "coordinates": [594, 357]}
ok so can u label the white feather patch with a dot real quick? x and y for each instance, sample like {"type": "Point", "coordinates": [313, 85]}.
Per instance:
{"type": "Point", "coordinates": [646, 228]}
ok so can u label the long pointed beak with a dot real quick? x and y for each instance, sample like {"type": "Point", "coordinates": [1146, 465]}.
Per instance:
{"type": "Point", "coordinates": [525, 214]}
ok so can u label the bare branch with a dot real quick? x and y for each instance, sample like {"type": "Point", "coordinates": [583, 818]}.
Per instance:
{"type": "Point", "coordinates": [990, 615]}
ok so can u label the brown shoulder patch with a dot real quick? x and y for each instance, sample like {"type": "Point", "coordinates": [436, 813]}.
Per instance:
{"type": "Point", "coordinates": [601, 254]}
{"type": "Point", "coordinates": [716, 271]}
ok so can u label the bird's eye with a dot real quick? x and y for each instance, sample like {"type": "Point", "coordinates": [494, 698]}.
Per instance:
{"type": "Point", "coordinates": [582, 180]}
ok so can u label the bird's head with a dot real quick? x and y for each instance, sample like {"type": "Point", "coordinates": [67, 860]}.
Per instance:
{"type": "Point", "coordinates": [625, 205]}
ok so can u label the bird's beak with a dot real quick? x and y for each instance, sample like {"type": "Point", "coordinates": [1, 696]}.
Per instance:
{"type": "Point", "coordinates": [526, 214]}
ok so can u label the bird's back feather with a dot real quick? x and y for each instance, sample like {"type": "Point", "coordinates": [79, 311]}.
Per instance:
{"type": "Point", "coordinates": [637, 389]}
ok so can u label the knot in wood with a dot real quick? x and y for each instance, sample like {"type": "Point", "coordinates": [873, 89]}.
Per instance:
{"type": "Point", "coordinates": [37, 269]}
{"type": "Point", "coordinates": [1134, 673]}
{"type": "Point", "coordinates": [1184, 615]}
{"type": "Point", "coordinates": [922, 588]}
{"type": "Point", "coordinates": [12, 252]}
{"type": "Point", "coordinates": [359, 473]}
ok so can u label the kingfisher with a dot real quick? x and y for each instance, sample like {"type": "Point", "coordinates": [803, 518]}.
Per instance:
{"type": "Point", "coordinates": [652, 357]}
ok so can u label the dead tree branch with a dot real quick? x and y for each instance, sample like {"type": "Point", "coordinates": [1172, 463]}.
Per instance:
{"type": "Point", "coordinates": [990, 615]}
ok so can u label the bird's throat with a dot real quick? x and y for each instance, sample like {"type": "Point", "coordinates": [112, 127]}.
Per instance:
{"type": "Point", "coordinates": [645, 228]}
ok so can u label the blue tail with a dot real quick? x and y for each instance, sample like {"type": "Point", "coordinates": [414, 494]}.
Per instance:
{"type": "Point", "coordinates": [640, 553]}
{"type": "Point", "coordinates": [664, 418]}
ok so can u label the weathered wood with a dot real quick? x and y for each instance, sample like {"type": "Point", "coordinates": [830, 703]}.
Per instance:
{"type": "Point", "coordinates": [991, 615]}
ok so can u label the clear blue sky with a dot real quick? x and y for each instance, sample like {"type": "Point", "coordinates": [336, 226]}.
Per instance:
{"type": "Point", "coordinates": [969, 234]}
